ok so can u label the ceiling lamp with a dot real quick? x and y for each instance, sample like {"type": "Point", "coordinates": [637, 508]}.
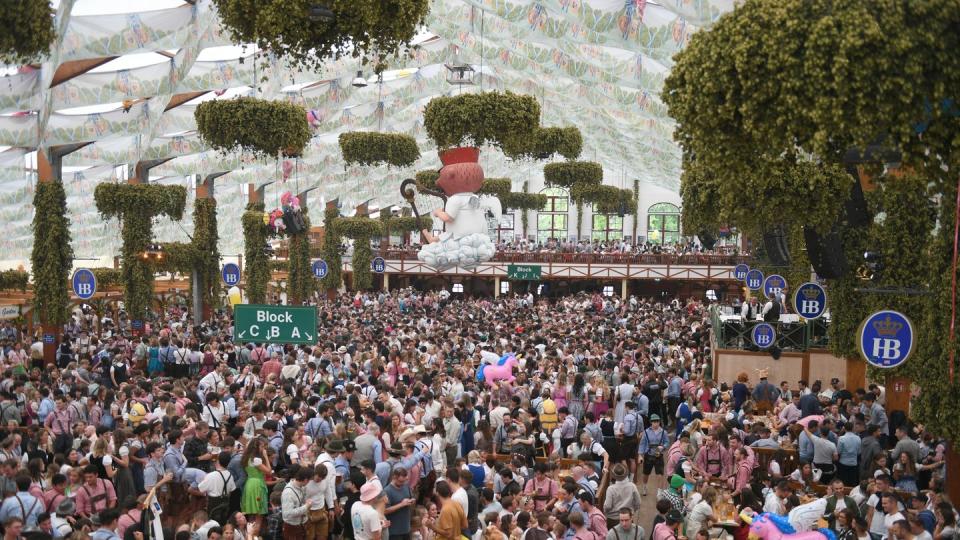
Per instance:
{"type": "Point", "coordinates": [459, 73]}
{"type": "Point", "coordinates": [320, 13]}
{"type": "Point", "coordinates": [153, 252]}
{"type": "Point", "coordinates": [359, 81]}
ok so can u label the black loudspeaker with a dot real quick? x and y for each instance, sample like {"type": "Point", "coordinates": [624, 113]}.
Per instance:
{"type": "Point", "coordinates": [775, 247]}
{"type": "Point", "coordinates": [855, 208]}
{"type": "Point", "coordinates": [707, 240]}
{"type": "Point", "coordinates": [825, 253]}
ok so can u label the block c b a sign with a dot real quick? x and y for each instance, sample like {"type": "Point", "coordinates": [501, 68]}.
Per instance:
{"type": "Point", "coordinates": [275, 324]}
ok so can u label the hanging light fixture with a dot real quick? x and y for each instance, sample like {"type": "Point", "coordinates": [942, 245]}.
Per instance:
{"type": "Point", "coordinates": [359, 81]}
{"type": "Point", "coordinates": [458, 72]}
{"type": "Point", "coordinates": [152, 252]}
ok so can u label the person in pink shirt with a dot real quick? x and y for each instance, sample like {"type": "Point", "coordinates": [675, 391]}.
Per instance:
{"type": "Point", "coordinates": [712, 459]}
{"type": "Point", "coordinates": [735, 443]}
{"type": "Point", "coordinates": [791, 413]}
{"type": "Point", "coordinates": [669, 529]}
{"type": "Point", "coordinates": [743, 470]}
{"type": "Point", "coordinates": [95, 494]}
{"type": "Point", "coordinates": [271, 367]}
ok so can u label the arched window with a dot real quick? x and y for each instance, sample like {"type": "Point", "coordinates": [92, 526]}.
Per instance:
{"type": "Point", "coordinates": [552, 219]}
{"type": "Point", "coordinates": [606, 226]}
{"type": "Point", "coordinates": [663, 223]}
{"type": "Point", "coordinates": [505, 228]}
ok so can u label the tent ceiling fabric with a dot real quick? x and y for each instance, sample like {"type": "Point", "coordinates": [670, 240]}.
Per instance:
{"type": "Point", "coordinates": [595, 64]}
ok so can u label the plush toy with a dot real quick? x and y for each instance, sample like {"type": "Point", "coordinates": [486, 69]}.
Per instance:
{"type": "Point", "coordinates": [466, 242]}
{"type": "Point", "coordinates": [503, 371]}
{"type": "Point", "coordinates": [769, 526]}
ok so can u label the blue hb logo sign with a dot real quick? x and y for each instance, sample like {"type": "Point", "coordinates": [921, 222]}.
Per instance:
{"type": "Point", "coordinates": [230, 274]}
{"type": "Point", "coordinates": [740, 272]}
{"type": "Point", "coordinates": [84, 283]}
{"type": "Point", "coordinates": [763, 335]}
{"type": "Point", "coordinates": [810, 300]}
{"type": "Point", "coordinates": [319, 269]}
{"type": "Point", "coordinates": [379, 265]}
{"type": "Point", "coordinates": [754, 280]}
{"type": "Point", "coordinates": [774, 285]}
{"type": "Point", "coordinates": [886, 338]}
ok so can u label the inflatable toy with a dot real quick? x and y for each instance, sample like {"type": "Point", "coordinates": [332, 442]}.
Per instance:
{"type": "Point", "coordinates": [490, 374]}
{"type": "Point", "coordinates": [769, 526]}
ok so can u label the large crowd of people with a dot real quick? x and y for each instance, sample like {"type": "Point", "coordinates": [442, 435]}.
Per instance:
{"type": "Point", "coordinates": [383, 429]}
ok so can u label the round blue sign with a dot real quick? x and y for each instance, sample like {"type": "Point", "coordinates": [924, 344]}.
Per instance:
{"type": "Point", "coordinates": [754, 280]}
{"type": "Point", "coordinates": [810, 300]}
{"type": "Point", "coordinates": [230, 274]}
{"type": "Point", "coordinates": [763, 335]}
{"type": "Point", "coordinates": [378, 265]}
{"type": "Point", "coordinates": [319, 269]}
{"type": "Point", "coordinates": [740, 272]}
{"type": "Point", "coordinates": [84, 283]}
{"type": "Point", "coordinates": [886, 339]}
{"type": "Point", "coordinates": [774, 285]}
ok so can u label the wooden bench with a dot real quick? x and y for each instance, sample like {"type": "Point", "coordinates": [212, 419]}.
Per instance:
{"type": "Point", "coordinates": [789, 460]}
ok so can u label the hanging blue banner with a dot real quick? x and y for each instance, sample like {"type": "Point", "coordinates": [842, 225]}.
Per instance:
{"type": "Point", "coordinates": [763, 335]}
{"type": "Point", "coordinates": [774, 285]}
{"type": "Point", "coordinates": [754, 280]}
{"type": "Point", "coordinates": [886, 339]}
{"type": "Point", "coordinates": [230, 274]}
{"type": "Point", "coordinates": [319, 269]}
{"type": "Point", "coordinates": [810, 300]}
{"type": "Point", "coordinates": [84, 283]}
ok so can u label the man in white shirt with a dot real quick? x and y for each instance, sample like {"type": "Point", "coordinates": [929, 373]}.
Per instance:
{"type": "Point", "coordinates": [294, 505]}
{"type": "Point", "coordinates": [213, 413]}
{"type": "Point", "coordinates": [876, 510]}
{"type": "Point", "coordinates": [773, 501]}
{"type": "Point", "coordinates": [460, 495]}
{"type": "Point", "coordinates": [805, 517]}
{"type": "Point", "coordinates": [218, 486]}
{"type": "Point", "coordinates": [329, 483]}
{"type": "Point", "coordinates": [496, 414]}
{"type": "Point", "coordinates": [891, 511]}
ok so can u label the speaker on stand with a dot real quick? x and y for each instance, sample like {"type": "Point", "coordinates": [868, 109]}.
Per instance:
{"type": "Point", "coordinates": [775, 247]}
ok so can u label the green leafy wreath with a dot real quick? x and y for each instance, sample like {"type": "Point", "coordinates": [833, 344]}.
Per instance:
{"type": "Point", "coordinates": [26, 30]}
{"type": "Point", "coordinates": [310, 33]}
{"type": "Point", "coordinates": [477, 119]}
{"type": "Point", "coordinates": [265, 127]}
{"type": "Point", "coordinates": [371, 148]}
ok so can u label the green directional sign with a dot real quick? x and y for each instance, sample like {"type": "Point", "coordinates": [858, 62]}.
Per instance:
{"type": "Point", "coordinates": [523, 272]}
{"type": "Point", "coordinates": [275, 324]}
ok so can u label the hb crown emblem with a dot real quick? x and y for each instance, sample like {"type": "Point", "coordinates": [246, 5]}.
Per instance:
{"type": "Point", "coordinates": [887, 327]}
{"type": "Point", "coordinates": [810, 293]}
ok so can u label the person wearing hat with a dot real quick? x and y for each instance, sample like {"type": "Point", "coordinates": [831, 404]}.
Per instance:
{"type": "Point", "coordinates": [669, 529]}
{"type": "Point", "coordinates": [365, 514]}
{"type": "Point", "coordinates": [61, 519]}
{"type": "Point", "coordinates": [653, 444]}
{"type": "Point", "coordinates": [342, 452]}
{"type": "Point", "coordinates": [622, 493]}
